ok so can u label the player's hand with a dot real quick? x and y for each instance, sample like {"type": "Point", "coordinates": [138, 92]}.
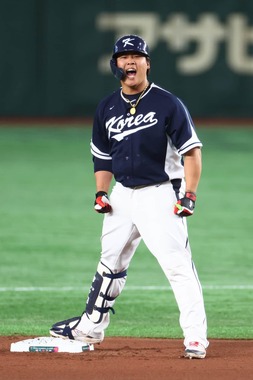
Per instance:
{"type": "Point", "coordinates": [185, 206]}
{"type": "Point", "coordinates": [102, 203]}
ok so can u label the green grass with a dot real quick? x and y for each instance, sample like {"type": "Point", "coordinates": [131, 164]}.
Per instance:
{"type": "Point", "coordinates": [50, 237]}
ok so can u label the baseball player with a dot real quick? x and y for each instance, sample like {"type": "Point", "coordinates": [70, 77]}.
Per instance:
{"type": "Point", "coordinates": [144, 136]}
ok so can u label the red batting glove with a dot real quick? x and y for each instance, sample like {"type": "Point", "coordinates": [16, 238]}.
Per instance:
{"type": "Point", "coordinates": [185, 206]}
{"type": "Point", "coordinates": [102, 203]}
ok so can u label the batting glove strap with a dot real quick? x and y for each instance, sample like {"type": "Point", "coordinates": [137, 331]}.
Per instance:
{"type": "Point", "coordinates": [102, 203]}
{"type": "Point", "coordinates": [185, 206]}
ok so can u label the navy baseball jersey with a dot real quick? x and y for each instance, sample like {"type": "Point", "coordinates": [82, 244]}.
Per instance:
{"type": "Point", "coordinates": [147, 147]}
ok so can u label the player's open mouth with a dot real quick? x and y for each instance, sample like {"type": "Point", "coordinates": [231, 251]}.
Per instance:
{"type": "Point", "coordinates": [131, 73]}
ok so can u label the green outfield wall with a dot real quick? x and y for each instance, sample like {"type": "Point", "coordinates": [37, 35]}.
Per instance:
{"type": "Point", "coordinates": [55, 54]}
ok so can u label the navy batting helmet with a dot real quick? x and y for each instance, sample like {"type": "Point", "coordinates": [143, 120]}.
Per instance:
{"type": "Point", "coordinates": [130, 43]}
{"type": "Point", "coordinates": [127, 44]}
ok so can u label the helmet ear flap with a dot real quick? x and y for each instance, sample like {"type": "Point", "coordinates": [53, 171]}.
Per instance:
{"type": "Point", "coordinates": [117, 72]}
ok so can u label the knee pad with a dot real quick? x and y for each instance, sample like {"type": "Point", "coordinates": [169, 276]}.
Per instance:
{"type": "Point", "coordinates": [106, 286]}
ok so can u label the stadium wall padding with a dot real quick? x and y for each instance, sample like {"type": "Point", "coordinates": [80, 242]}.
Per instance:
{"type": "Point", "coordinates": [55, 54]}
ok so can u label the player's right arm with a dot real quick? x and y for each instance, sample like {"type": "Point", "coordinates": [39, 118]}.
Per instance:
{"type": "Point", "coordinates": [103, 180]}
{"type": "Point", "coordinates": [100, 149]}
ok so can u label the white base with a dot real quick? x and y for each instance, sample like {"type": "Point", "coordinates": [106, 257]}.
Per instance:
{"type": "Point", "coordinates": [50, 344]}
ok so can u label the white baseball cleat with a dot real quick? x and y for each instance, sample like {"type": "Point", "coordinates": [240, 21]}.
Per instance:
{"type": "Point", "coordinates": [195, 350]}
{"type": "Point", "coordinates": [68, 329]}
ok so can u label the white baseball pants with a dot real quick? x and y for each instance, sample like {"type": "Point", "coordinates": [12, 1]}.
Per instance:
{"type": "Point", "coordinates": [147, 213]}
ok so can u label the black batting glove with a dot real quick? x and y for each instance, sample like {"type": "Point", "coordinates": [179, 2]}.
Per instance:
{"type": "Point", "coordinates": [102, 203]}
{"type": "Point", "coordinates": [185, 206]}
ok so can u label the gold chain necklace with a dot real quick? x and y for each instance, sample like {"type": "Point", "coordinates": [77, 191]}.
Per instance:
{"type": "Point", "coordinates": [134, 105]}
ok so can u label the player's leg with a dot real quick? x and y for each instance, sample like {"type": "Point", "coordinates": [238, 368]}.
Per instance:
{"type": "Point", "coordinates": [165, 234]}
{"type": "Point", "coordinates": [120, 239]}
{"type": "Point", "coordinates": [90, 326]}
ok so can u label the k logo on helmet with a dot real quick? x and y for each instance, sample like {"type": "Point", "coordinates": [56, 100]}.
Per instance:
{"type": "Point", "coordinates": [127, 41]}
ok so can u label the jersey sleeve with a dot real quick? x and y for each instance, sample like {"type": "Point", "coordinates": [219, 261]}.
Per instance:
{"type": "Point", "coordinates": [100, 145]}
{"type": "Point", "coordinates": [181, 129]}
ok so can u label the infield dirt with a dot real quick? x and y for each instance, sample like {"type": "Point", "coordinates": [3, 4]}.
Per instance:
{"type": "Point", "coordinates": [130, 359]}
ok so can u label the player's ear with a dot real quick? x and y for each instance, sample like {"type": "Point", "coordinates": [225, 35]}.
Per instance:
{"type": "Point", "coordinates": [148, 65]}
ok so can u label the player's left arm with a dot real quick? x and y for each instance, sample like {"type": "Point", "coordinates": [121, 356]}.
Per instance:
{"type": "Point", "coordinates": [192, 168]}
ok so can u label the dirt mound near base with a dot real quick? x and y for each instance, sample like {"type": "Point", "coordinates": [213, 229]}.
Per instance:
{"type": "Point", "coordinates": [130, 359]}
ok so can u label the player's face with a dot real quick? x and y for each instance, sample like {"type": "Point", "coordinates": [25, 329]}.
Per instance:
{"type": "Point", "coordinates": [135, 67]}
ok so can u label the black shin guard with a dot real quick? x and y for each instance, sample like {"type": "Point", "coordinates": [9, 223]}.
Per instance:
{"type": "Point", "coordinates": [106, 286]}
